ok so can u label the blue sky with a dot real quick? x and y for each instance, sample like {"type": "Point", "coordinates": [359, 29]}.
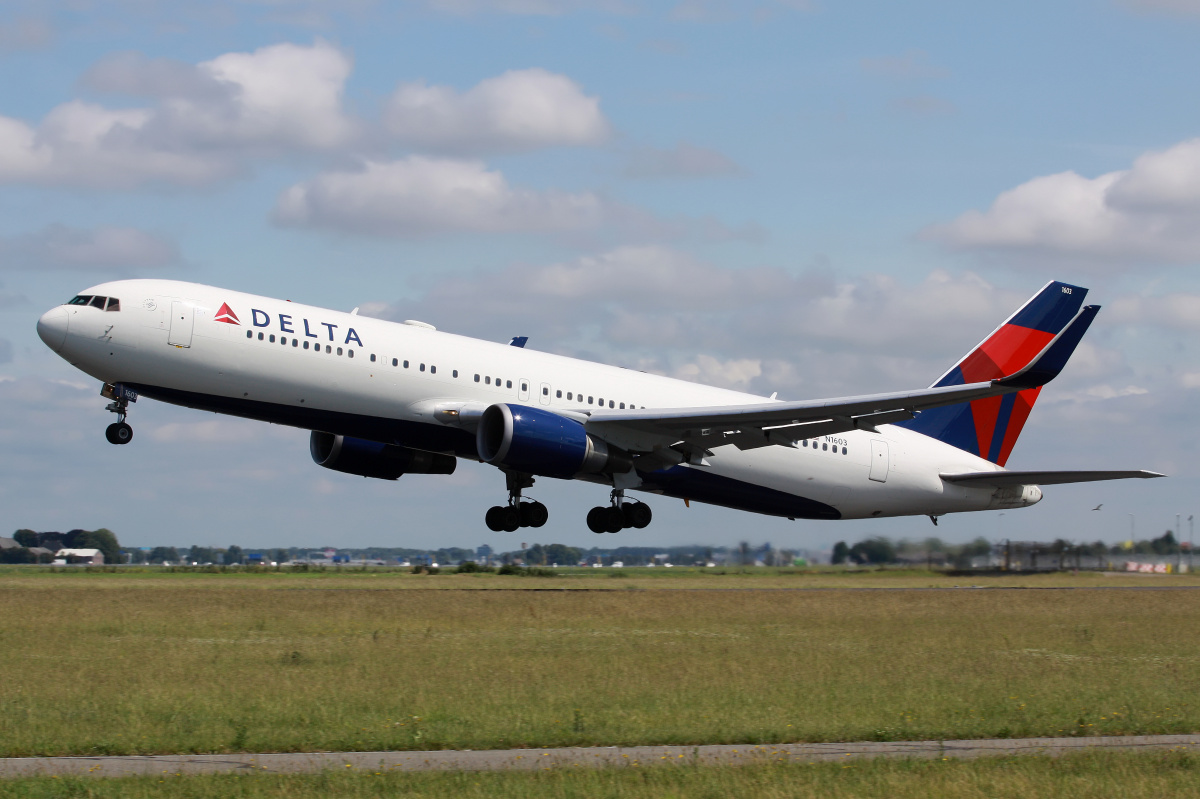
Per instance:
{"type": "Point", "coordinates": [804, 197]}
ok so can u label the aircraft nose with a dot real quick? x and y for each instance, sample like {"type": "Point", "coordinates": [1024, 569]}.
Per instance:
{"type": "Point", "coordinates": [52, 328]}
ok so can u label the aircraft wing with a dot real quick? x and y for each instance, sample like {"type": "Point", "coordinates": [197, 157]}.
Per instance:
{"type": "Point", "coordinates": [694, 431]}
{"type": "Point", "coordinates": [1003, 479]}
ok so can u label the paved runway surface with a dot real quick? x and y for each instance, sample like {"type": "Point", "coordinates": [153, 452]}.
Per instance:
{"type": "Point", "coordinates": [590, 757]}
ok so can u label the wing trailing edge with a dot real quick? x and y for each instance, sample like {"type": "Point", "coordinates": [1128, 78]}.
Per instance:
{"type": "Point", "coordinates": [1005, 479]}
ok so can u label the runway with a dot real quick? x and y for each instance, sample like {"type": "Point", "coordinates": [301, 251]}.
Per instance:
{"type": "Point", "coordinates": [575, 757]}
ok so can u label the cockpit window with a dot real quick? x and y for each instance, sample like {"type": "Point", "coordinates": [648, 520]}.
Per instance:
{"type": "Point", "coordinates": [81, 299]}
{"type": "Point", "coordinates": [98, 302]}
{"type": "Point", "coordinates": [113, 304]}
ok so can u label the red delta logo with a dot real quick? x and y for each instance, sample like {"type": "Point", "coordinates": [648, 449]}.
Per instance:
{"type": "Point", "coordinates": [226, 315]}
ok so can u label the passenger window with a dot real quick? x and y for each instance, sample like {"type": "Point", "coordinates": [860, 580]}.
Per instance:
{"type": "Point", "coordinates": [843, 450]}
{"type": "Point", "coordinates": [590, 401]}
{"type": "Point", "coordinates": [569, 395]}
{"type": "Point", "coordinates": [545, 391]}
{"type": "Point", "coordinates": [395, 362]}
{"type": "Point", "coordinates": [339, 350]}
{"type": "Point", "coordinates": [328, 349]}
{"type": "Point", "coordinates": [260, 336]}
{"type": "Point", "coordinates": [249, 334]}
{"type": "Point", "coordinates": [372, 357]}
{"type": "Point", "coordinates": [610, 403]}
{"type": "Point", "coordinates": [508, 384]}
{"type": "Point", "coordinates": [622, 406]}
{"type": "Point", "coordinates": [487, 380]}
{"type": "Point", "coordinates": [558, 394]}
{"type": "Point", "coordinates": [806, 442]}
{"type": "Point", "coordinates": [601, 402]}
{"type": "Point", "coordinates": [113, 304]}
{"type": "Point", "coordinates": [283, 340]}
{"type": "Point", "coordinates": [824, 447]}
{"type": "Point", "coordinates": [349, 353]}
{"type": "Point", "coordinates": [406, 364]}
{"type": "Point", "coordinates": [422, 367]}
{"type": "Point", "coordinates": [432, 370]}
{"type": "Point", "coordinates": [295, 342]}
{"type": "Point", "coordinates": [476, 378]}
{"type": "Point", "coordinates": [525, 387]}
{"type": "Point", "coordinates": [272, 338]}
{"type": "Point", "coordinates": [306, 345]}
{"type": "Point", "coordinates": [454, 373]}
{"type": "Point", "coordinates": [98, 302]}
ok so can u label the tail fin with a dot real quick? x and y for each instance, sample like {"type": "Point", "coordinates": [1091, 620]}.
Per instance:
{"type": "Point", "coordinates": [989, 427]}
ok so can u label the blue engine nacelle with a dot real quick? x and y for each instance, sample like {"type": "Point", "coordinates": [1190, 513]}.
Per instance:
{"type": "Point", "coordinates": [374, 459]}
{"type": "Point", "coordinates": [541, 442]}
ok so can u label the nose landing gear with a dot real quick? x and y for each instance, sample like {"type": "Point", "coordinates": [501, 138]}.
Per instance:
{"type": "Point", "coordinates": [516, 513]}
{"type": "Point", "coordinates": [619, 515]}
{"type": "Point", "coordinates": [119, 432]}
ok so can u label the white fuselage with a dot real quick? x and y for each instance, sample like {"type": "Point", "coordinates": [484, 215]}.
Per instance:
{"type": "Point", "coordinates": [320, 369]}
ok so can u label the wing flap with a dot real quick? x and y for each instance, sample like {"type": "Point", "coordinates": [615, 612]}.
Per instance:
{"type": "Point", "coordinates": [1004, 479]}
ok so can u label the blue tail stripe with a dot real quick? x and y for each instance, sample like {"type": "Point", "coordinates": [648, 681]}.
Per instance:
{"type": "Point", "coordinates": [1007, 403]}
{"type": "Point", "coordinates": [1052, 308]}
{"type": "Point", "coordinates": [953, 424]}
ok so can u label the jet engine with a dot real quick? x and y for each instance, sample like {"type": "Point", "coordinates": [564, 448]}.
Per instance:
{"type": "Point", "coordinates": [540, 442]}
{"type": "Point", "coordinates": [374, 459]}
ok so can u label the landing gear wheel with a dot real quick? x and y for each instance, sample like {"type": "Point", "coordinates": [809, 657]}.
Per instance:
{"type": "Point", "coordinates": [119, 433]}
{"type": "Point", "coordinates": [636, 514]}
{"type": "Point", "coordinates": [597, 520]}
{"type": "Point", "coordinates": [533, 514]}
{"type": "Point", "coordinates": [494, 522]}
{"type": "Point", "coordinates": [509, 517]}
{"type": "Point", "coordinates": [614, 520]}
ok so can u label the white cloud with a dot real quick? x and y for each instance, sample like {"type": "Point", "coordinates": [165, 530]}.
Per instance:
{"type": "Point", "coordinates": [684, 160]}
{"type": "Point", "coordinates": [1178, 311]}
{"type": "Point", "coordinates": [1148, 212]}
{"type": "Point", "coordinates": [207, 119]}
{"type": "Point", "coordinates": [62, 247]}
{"type": "Point", "coordinates": [418, 197]}
{"type": "Point", "coordinates": [518, 110]}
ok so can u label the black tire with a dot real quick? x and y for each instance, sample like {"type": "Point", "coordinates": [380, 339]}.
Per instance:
{"type": "Point", "coordinates": [638, 514]}
{"type": "Point", "coordinates": [118, 433]}
{"type": "Point", "coordinates": [494, 523]}
{"type": "Point", "coordinates": [510, 517]}
{"type": "Point", "coordinates": [614, 520]}
{"type": "Point", "coordinates": [597, 521]}
{"type": "Point", "coordinates": [534, 514]}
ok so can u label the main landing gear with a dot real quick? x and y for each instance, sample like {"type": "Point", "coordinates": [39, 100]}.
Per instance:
{"type": "Point", "coordinates": [619, 515]}
{"type": "Point", "coordinates": [119, 432]}
{"type": "Point", "coordinates": [516, 513]}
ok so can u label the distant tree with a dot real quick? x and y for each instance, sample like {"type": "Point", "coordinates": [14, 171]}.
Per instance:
{"type": "Point", "coordinates": [840, 553]}
{"type": "Point", "coordinates": [1165, 544]}
{"type": "Point", "coordinates": [563, 554]}
{"type": "Point", "coordinates": [164, 555]}
{"type": "Point", "coordinates": [17, 555]}
{"type": "Point", "coordinates": [280, 555]}
{"type": "Point", "coordinates": [136, 556]}
{"type": "Point", "coordinates": [102, 539]}
{"type": "Point", "coordinates": [26, 538]}
{"type": "Point", "coordinates": [873, 550]}
{"type": "Point", "coordinates": [234, 555]}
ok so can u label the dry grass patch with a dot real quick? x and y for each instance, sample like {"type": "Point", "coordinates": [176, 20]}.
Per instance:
{"type": "Point", "coordinates": [174, 668]}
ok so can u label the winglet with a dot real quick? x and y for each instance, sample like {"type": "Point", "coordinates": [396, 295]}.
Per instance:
{"type": "Point", "coordinates": [1047, 366]}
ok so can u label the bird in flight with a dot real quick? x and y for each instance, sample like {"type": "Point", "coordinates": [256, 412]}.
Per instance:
{"type": "Point", "coordinates": [1098, 507]}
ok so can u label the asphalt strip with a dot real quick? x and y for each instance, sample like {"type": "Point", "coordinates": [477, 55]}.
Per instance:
{"type": "Point", "coordinates": [574, 757]}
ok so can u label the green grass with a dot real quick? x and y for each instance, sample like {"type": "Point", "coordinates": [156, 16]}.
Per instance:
{"type": "Point", "coordinates": [1085, 776]}
{"type": "Point", "coordinates": [154, 663]}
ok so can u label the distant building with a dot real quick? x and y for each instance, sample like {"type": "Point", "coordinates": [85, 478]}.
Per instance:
{"type": "Point", "coordinates": [89, 557]}
{"type": "Point", "coordinates": [9, 543]}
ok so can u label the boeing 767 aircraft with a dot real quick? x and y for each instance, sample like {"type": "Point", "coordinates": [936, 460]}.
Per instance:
{"type": "Point", "coordinates": [384, 399]}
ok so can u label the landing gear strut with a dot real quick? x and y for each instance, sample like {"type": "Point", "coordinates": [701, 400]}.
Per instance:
{"type": "Point", "coordinates": [118, 432]}
{"type": "Point", "coordinates": [619, 515]}
{"type": "Point", "coordinates": [516, 513]}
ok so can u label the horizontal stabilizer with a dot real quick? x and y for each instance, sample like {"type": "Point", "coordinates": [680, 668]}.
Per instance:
{"type": "Point", "coordinates": [1007, 479]}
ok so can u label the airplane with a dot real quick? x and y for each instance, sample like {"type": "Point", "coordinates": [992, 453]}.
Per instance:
{"type": "Point", "coordinates": [384, 399]}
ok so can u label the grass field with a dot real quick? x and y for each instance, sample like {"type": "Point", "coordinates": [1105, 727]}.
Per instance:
{"type": "Point", "coordinates": [1128, 775]}
{"type": "Point", "coordinates": [160, 663]}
